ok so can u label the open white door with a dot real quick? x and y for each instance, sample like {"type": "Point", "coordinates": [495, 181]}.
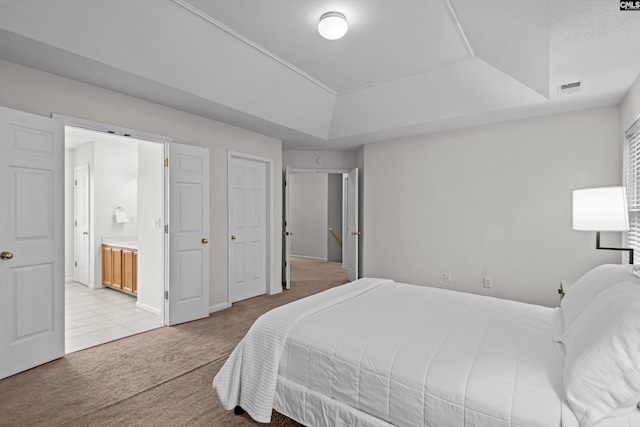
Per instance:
{"type": "Point", "coordinates": [31, 241]}
{"type": "Point", "coordinates": [81, 224]}
{"type": "Point", "coordinates": [286, 231]}
{"type": "Point", "coordinates": [188, 294]}
{"type": "Point", "coordinates": [352, 237]}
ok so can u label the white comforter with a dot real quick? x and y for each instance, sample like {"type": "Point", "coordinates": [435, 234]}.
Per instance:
{"type": "Point", "coordinates": [420, 356]}
{"type": "Point", "coordinates": [248, 378]}
{"type": "Point", "coordinates": [408, 355]}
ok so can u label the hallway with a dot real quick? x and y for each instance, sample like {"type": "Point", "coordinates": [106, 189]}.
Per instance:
{"type": "Point", "coordinates": [304, 270]}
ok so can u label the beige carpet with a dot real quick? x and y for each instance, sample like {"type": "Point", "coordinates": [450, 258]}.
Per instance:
{"type": "Point", "coordinates": [161, 377]}
{"type": "Point", "coordinates": [305, 270]}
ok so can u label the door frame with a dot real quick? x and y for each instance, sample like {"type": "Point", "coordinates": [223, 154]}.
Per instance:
{"type": "Point", "coordinates": [135, 134]}
{"type": "Point", "coordinates": [76, 249]}
{"type": "Point", "coordinates": [287, 262]}
{"type": "Point", "coordinates": [271, 280]}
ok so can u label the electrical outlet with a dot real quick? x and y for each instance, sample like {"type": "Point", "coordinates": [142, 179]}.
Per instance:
{"type": "Point", "coordinates": [487, 282]}
{"type": "Point", "coordinates": [447, 277]}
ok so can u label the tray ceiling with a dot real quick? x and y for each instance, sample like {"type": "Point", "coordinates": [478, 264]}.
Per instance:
{"type": "Point", "coordinates": [405, 66]}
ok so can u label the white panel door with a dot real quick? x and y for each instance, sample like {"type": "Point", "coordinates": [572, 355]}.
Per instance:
{"type": "Point", "coordinates": [247, 228]}
{"type": "Point", "coordinates": [31, 241]}
{"type": "Point", "coordinates": [353, 234]}
{"type": "Point", "coordinates": [286, 231]}
{"type": "Point", "coordinates": [81, 224]}
{"type": "Point", "coordinates": [188, 294]}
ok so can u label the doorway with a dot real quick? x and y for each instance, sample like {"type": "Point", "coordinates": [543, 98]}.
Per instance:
{"type": "Point", "coordinates": [34, 238]}
{"type": "Point", "coordinates": [114, 216]}
{"type": "Point", "coordinates": [317, 241]}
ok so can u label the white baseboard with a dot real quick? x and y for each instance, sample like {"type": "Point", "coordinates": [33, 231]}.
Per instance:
{"type": "Point", "coordinates": [310, 257]}
{"type": "Point", "coordinates": [275, 291]}
{"type": "Point", "coordinates": [218, 307]}
{"type": "Point", "coordinates": [69, 279]}
{"type": "Point", "coordinates": [148, 308]}
{"type": "Point", "coordinates": [94, 286]}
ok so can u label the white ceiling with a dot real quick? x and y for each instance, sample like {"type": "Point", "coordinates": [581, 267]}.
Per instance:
{"type": "Point", "coordinates": [405, 67]}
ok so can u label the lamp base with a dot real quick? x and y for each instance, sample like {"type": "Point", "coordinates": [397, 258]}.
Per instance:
{"type": "Point", "coordinates": [630, 250]}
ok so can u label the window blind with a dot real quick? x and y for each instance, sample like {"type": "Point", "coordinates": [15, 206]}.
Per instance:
{"type": "Point", "coordinates": [632, 182]}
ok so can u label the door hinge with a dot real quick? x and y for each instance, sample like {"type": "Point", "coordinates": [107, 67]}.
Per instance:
{"type": "Point", "coordinates": [166, 228]}
{"type": "Point", "coordinates": [166, 295]}
{"type": "Point", "coordinates": [166, 162]}
{"type": "Point", "coordinates": [76, 182]}
{"type": "Point", "coordinates": [75, 263]}
{"type": "Point", "coordinates": [285, 263]}
{"type": "Point", "coordinates": [75, 223]}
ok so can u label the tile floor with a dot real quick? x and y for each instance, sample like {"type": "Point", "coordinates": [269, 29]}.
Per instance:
{"type": "Point", "coordinates": [96, 316]}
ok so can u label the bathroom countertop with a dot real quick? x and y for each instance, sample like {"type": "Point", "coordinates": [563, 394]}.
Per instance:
{"type": "Point", "coordinates": [125, 244]}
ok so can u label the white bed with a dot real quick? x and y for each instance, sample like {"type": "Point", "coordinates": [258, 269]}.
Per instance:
{"type": "Point", "coordinates": [378, 353]}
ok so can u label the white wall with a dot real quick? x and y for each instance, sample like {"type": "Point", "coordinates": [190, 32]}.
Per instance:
{"type": "Point", "coordinates": [490, 201]}
{"type": "Point", "coordinates": [328, 159]}
{"type": "Point", "coordinates": [42, 93]}
{"type": "Point", "coordinates": [308, 211]}
{"type": "Point", "coordinates": [115, 184]}
{"type": "Point", "coordinates": [150, 223]}
{"type": "Point", "coordinates": [630, 106]}
{"type": "Point", "coordinates": [69, 203]}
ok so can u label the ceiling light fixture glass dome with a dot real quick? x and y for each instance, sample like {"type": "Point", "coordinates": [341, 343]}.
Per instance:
{"type": "Point", "coordinates": [333, 25]}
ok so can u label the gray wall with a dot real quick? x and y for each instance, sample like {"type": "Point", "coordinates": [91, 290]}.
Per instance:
{"type": "Point", "coordinates": [491, 201]}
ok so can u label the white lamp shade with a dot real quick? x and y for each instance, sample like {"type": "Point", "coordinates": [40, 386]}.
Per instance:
{"type": "Point", "coordinates": [600, 209]}
{"type": "Point", "coordinates": [333, 25]}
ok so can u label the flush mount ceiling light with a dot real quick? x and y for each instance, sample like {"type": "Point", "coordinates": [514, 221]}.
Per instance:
{"type": "Point", "coordinates": [333, 25]}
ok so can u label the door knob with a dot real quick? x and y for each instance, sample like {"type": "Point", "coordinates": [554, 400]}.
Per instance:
{"type": "Point", "coordinates": [205, 240]}
{"type": "Point", "coordinates": [6, 255]}
{"type": "Point", "coordinates": [233, 237]}
{"type": "Point", "coordinates": [85, 233]}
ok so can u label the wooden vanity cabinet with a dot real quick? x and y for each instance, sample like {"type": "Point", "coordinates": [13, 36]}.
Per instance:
{"type": "Point", "coordinates": [127, 271]}
{"type": "Point", "coordinates": [120, 268]}
{"type": "Point", "coordinates": [107, 265]}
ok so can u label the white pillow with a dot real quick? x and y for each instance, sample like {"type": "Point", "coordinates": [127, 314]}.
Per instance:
{"type": "Point", "coordinates": [587, 288]}
{"type": "Point", "coordinates": [602, 364]}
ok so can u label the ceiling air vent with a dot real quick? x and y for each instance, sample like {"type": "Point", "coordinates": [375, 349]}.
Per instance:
{"type": "Point", "coordinates": [570, 87]}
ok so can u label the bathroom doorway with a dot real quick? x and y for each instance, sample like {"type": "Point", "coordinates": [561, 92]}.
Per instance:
{"type": "Point", "coordinates": [114, 222]}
